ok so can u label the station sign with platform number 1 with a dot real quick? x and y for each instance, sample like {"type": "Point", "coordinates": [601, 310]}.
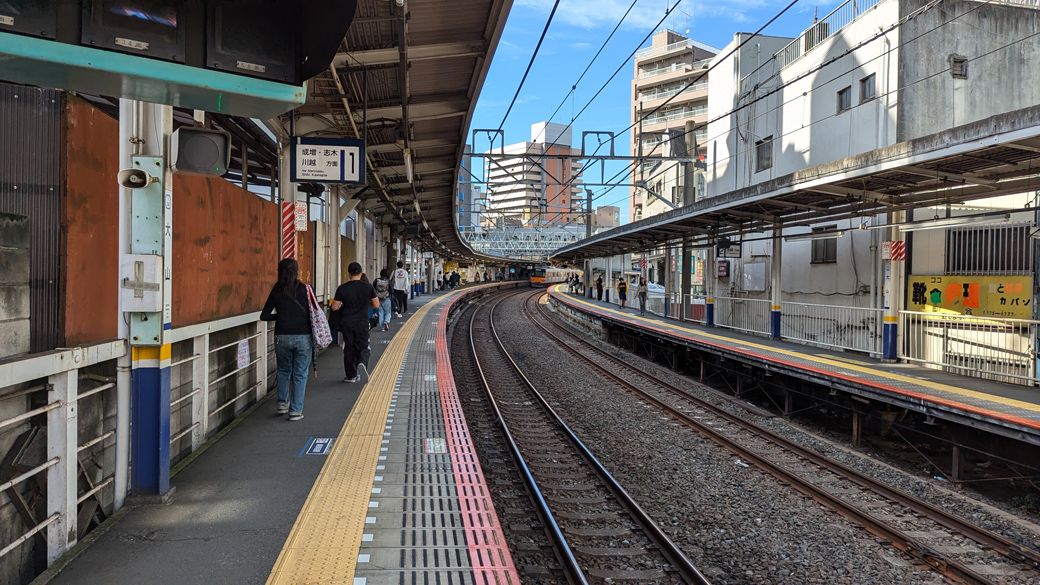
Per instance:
{"type": "Point", "coordinates": [328, 160]}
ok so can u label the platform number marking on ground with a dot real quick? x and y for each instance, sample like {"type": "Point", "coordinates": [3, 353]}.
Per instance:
{"type": "Point", "coordinates": [318, 446]}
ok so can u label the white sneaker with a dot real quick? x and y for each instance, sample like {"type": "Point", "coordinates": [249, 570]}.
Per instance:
{"type": "Point", "coordinates": [362, 372]}
{"type": "Point", "coordinates": [351, 380]}
{"type": "Point", "coordinates": [283, 408]}
{"type": "Point", "coordinates": [397, 315]}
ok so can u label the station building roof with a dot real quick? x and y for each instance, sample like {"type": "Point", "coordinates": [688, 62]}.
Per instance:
{"type": "Point", "coordinates": [410, 78]}
{"type": "Point", "coordinates": [996, 156]}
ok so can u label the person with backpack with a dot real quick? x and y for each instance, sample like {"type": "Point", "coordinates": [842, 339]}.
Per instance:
{"type": "Point", "coordinates": [402, 283]}
{"type": "Point", "coordinates": [293, 342]}
{"type": "Point", "coordinates": [350, 312]}
{"type": "Point", "coordinates": [382, 288]}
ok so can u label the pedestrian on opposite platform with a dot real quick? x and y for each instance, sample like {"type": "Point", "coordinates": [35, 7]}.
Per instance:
{"type": "Point", "coordinates": [641, 292]}
{"type": "Point", "coordinates": [293, 342]}
{"type": "Point", "coordinates": [350, 308]}
{"type": "Point", "coordinates": [599, 288]}
{"type": "Point", "coordinates": [382, 288]}
{"type": "Point", "coordinates": [622, 291]}
{"type": "Point", "coordinates": [402, 284]}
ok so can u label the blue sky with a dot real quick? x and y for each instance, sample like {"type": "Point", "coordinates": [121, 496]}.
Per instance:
{"type": "Point", "coordinates": [577, 31]}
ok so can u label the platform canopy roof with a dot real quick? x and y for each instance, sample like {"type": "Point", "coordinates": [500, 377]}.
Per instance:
{"type": "Point", "coordinates": [995, 156]}
{"type": "Point", "coordinates": [409, 77]}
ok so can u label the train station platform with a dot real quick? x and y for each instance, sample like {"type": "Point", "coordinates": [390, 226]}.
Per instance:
{"type": "Point", "coordinates": [379, 483]}
{"type": "Point", "coordinates": [1005, 409]}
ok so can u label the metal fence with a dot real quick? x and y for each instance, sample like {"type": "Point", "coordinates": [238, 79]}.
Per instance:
{"type": "Point", "coordinates": [851, 328]}
{"type": "Point", "coordinates": [995, 349]}
{"type": "Point", "coordinates": [743, 314]}
{"type": "Point", "coordinates": [56, 412]}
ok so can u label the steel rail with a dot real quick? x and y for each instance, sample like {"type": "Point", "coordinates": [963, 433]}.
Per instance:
{"type": "Point", "coordinates": [570, 563]}
{"type": "Point", "coordinates": [679, 560]}
{"type": "Point", "coordinates": [901, 541]}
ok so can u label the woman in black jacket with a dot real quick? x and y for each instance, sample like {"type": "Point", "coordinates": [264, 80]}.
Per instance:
{"type": "Point", "coordinates": [293, 343]}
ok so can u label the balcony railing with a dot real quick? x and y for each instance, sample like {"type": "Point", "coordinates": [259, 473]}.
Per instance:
{"type": "Point", "coordinates": [660, 50]}
{"type": "Point", "coordinates": [830, 24]}
{"type": "Point", "coordinates": [675, 114]}
{"type": "Point", "coordinates": [659, 94]}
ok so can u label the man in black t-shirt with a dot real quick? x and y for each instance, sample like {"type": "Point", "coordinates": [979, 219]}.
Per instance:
{"type": "Point", "coordinates": [350, 314]}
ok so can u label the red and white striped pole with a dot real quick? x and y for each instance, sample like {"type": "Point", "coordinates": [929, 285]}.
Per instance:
{"type": "Point", "coordinates": [288, 229]}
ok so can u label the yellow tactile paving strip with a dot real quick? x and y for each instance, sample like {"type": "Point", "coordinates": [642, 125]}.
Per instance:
{"type": "Point", "coordinates": [322, 547]}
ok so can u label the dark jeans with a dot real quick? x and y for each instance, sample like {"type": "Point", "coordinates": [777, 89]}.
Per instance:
{"type": "Point", "coordinates": [294, 354]}
{"type": "Point", "coordinates": [356, 349]}
{"type": "Point", "coordinates": [402, 301]}
{"type": "Point", "coordinates": [599, 293]}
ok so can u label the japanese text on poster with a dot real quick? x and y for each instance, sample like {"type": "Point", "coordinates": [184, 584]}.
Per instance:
{"type": "Point", "coordinates": [983, 296]}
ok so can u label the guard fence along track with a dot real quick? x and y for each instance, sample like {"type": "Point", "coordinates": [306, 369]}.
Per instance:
{"type": "Point", "coordinates": [951, 545]}
{"type": "Point", "coordinates": [601, 534]}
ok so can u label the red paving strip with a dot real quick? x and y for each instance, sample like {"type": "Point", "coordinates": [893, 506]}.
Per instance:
{"type": "Point", "coordinates": [488, 552]}
{"type": "Point", "coordinates": [1033, 424]}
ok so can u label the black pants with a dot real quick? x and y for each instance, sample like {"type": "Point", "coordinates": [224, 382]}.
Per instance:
{"type": "Point", "coordinates": [356, 349]}
{"type": "Point", "coordinates": [599, 293]}
{"type": "Point", "coordinates": [402, 301]}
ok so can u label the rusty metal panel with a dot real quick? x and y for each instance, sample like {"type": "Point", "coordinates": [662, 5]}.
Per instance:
{"type": "Point", "coordinates": [225, 249]}
{"type": "Point", "coordinates": [32, 185]}
{"type": "Point", "coordinates": [92, 224]}
{"type": "Point", "coordinates": [306, 254]}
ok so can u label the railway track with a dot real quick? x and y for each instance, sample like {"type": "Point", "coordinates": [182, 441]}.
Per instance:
{"type": "Point", "coordinates": [600, 533]}
{"type": "Point", "coordinates": [952, 546]}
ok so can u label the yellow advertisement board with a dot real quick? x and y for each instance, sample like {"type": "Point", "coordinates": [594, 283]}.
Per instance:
{"type": "Point", "coordinates": [983, 296]}
{"type": "Point", "coordinates": [449, 266]}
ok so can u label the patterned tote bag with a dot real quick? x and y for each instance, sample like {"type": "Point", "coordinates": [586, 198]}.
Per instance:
{"type": "Point", "coordinates": [319, 323]}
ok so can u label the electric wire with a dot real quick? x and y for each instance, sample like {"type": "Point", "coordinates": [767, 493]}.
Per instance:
{"type": "Point", "coordinates": [530, 63]}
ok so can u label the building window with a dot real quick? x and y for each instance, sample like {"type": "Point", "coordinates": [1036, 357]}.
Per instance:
{"type": "Point", "coordinates": [764, 154]}
{"type": "Point", "coordinates": [959, 66]}
{"type": "Point", "coordinates": [825, 251]}
{"type": "Point", "coordinates": [867, 88]}
{"type": "Point", "coordinates": [844, 98]}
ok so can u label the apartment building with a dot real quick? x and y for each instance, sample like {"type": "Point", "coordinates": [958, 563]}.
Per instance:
{"type": "Point", "coordinates": [670, 74]}
{"type": "Point", "coordinates": [606, 217]}
{"type": "Point", "coordinates": [532, 183]}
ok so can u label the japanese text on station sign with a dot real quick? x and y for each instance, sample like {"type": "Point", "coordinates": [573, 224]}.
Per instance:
{"type": "Point", "coordinates": [983, 296]}
{"type": "Point", "coordinates": [328, 161]}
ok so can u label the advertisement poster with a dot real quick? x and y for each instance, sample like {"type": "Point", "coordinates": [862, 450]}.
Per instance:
{"type": "Point", "coordinates": [983, 296]}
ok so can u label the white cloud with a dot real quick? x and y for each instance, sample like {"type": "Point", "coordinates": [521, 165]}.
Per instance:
{"type": "Point", "coordinates": [600, 13]}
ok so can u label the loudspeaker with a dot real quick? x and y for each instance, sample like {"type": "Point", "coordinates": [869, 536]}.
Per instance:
{"type": "Point", "coordinates": [200, 151]}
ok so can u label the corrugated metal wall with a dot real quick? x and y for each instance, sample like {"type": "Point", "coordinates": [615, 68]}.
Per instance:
{"type": "Point", "coordinates": [32, 185]}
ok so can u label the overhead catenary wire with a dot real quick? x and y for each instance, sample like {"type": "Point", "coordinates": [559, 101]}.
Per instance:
{"type": "Point", "coordinates": [822, 66]}
{"type": "Point", "coordinates": [530, 63]}
{"type": "Point", "coordinates": [830, 62]}
{"type": "Point", "coordinates": [739, 45]}
{"type": "Point", "coordinates": [574, 117]}
{"type": "Point", "coordinates": [574, 86]}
